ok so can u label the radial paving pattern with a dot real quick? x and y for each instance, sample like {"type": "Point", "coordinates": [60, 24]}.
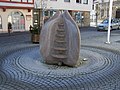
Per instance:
{"type": "Point", "coordinates": [23, 69]}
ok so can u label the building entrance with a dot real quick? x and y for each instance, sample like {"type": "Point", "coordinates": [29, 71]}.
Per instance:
{"type": "Point", "coordinates": [17, 20]}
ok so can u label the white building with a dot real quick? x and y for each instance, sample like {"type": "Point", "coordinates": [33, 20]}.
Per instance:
{"type": "Point", "coordinates": [79, 9]}
{"type": "Point", "coordinates": [16, 12]}
{"type": "Point", "coordinates": [103, 9]}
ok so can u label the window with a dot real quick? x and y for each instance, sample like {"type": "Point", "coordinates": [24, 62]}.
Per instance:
{"type": "Point", "coordinates": [30, 1]}
{"type": "Point", "coordinates": [78, 1]}
{"type": "Point", "coordinates": [85, 1]}
{"type": "Point", "coordinates": [102, 13]}
{"type": "Point", "coordinates": [0, 22]}
{"type": "Point", "coordinates": [52, 12]}
{"type": "Point", "coordinates": [77, 16]}
{"type": "Point", "coordinates": [66, 0]}
{"type": "Point", "coordinates": [107, 12]}
{"type": "Point", "coordinates": [53, 0]}
{"type": "Point", "coordinates": [93, 7]}
{"type": "Point", "coordinates": [24, 0]}
{"type": "Point", "coordinates": [46, 13]}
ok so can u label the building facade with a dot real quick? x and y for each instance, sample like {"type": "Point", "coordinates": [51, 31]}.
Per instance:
{"type": "Point", "coordinates": [16, 12]}
{"type": "Point", "coordinates": [79, 9]}
{"type": "Point", "coordinates": [103, 9]}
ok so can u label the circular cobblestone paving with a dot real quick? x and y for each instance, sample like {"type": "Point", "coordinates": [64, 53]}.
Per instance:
{"type": "Point", "coordinates": [24, 69]}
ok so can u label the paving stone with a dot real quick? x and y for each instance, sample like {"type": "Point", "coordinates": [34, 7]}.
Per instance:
{"type": "Point", "coordinates": [21, 67]}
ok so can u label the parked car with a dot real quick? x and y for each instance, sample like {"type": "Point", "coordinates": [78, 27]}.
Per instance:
{"type": "Point", "coordinates": [115, 24]}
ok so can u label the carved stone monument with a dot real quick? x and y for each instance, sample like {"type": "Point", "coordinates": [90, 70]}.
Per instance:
{"type": "Point", "coordinates": [60, 40]}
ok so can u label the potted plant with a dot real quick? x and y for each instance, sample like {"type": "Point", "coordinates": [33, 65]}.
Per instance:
{"type": "Point", "coordinates": [35, 34]}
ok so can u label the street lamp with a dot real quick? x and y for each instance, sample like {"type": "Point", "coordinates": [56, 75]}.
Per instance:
{"type": "Point", "coordinates": [110, 16]}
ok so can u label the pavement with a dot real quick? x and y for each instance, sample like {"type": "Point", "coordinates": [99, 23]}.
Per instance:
{"type": "Point", "coordinates": [22, 66]}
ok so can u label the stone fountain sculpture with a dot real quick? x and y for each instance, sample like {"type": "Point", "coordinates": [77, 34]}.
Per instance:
{"type": "Point", "coordinates": [60, 40]}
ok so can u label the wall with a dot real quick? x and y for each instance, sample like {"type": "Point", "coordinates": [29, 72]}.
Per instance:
{"type": "Point", "coordinates": [72, 5]}
{"type": "Point", "coordinates": [105, 8]}
{"type": "Point", "coordinates": [60, 4]}
{"type": "Point", "coordinates": [4, 15]}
